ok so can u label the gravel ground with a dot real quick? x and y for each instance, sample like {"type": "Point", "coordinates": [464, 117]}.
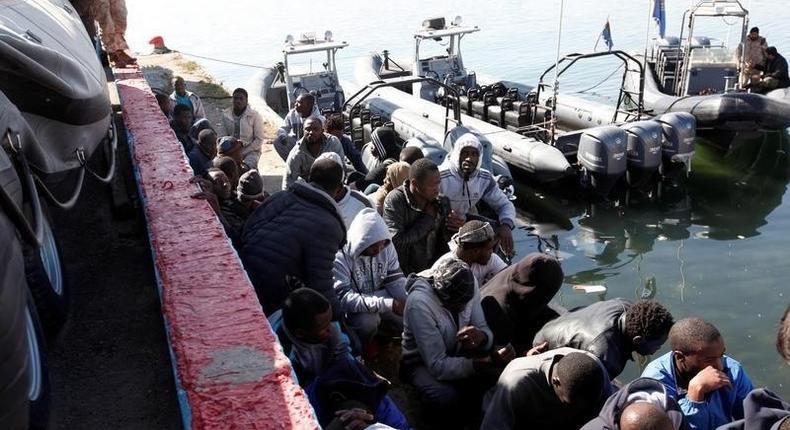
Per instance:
{"type": "Point", "coordinates": [110, 365]}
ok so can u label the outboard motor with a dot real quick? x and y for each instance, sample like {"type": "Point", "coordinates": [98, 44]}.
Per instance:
{"type": "Point", "coordinates": [602, 157]}
{"type": "Point", "coordinates": [643, 151]}
{"type": "Point", "coordinates": [680, 131]}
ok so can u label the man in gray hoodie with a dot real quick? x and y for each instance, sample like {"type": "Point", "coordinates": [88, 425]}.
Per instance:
{"type": "Point", "coordinates": [466, 183]}
{"type": "Point", "coordinates": [368, 279]}
{"type": "Point", "coordinates": [446, 342]}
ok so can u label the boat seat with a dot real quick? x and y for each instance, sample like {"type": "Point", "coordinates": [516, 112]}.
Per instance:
{"type": "Point", "coordinates": [466, 100]}
{"type": "Point", "coordinates": [496, 113]}
{"type": "Point", "coordinates": [518, 116]}
{"type": "Point", "coordinates": [479, 107]}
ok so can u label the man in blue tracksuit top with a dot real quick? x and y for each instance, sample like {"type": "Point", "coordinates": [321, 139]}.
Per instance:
{"type": "Point", "coordinates": [709, 386]}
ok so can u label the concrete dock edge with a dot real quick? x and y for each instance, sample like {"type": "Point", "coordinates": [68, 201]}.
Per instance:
{"type": "Point", "coordinates": [229, 368]}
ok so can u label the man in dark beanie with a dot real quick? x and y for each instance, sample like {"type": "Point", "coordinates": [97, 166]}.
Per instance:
{"type": "Point", "coordinates": [445, 342]}
{"type": "Point", "coordinates": [250, 191]}
{"type": "Point", "coordinates": [516, 300]}
{"type": "Point", "coordinates": [229, 146]}
{"type": "Point", "coordinates": [202, 155]}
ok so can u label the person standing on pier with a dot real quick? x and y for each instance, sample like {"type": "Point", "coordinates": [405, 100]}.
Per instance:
{"type": "Point", "coordinates": [246, 124]}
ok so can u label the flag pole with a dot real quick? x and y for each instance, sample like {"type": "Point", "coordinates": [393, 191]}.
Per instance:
{"type": "Point", "coordinates": [651, 6]}
{"type": "Point", "coordinates": [556, 76]}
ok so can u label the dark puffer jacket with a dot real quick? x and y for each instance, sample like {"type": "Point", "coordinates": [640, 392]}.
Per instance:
{"type": "Point", "coordinates": [598, 328]}
{"type": "Point", "coordinates": [419, 238]}
{"type": "Point", "coordinates": [291, 239]}
{"type": "Point", "coordinates": [639, 390]}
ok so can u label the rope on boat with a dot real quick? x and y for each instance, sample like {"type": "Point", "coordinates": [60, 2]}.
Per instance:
{"type": "Point", "coordinates": [602, 81]}
{"type": "Point", "coordinates": [256, 66]}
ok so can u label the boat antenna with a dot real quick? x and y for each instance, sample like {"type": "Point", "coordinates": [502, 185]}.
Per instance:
{"type": "Point", "coordinates": [556, 77]}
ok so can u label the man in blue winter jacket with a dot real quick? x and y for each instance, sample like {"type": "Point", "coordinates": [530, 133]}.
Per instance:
{"type": "Point", "coordinates": [709, 386]}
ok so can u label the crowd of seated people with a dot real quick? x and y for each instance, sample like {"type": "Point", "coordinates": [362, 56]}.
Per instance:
{"type": "Point", "coordinates": [483, 344]}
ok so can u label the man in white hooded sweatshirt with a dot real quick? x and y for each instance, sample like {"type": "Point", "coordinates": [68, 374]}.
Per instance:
{"type": "Point", "coordinates": [368, 280]}
{"type": "Point", "coordinates": [465, 183]}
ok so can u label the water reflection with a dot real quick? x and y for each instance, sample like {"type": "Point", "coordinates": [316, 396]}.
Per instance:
{"type": "Point", "coordinates": [728, 196]}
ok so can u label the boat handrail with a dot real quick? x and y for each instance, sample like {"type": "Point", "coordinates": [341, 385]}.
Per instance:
{"type": "Point", "coordinates": [569, 60]}
{"type": "Point", "coordinates": [406, 80]}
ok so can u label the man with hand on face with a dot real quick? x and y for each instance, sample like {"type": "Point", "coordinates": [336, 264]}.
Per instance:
{"type": "Point", "coordinates": [313, 143]}
{"type": "Point", "coordinates": [292, 128]}
{"type": "Point", "coordinates": [709, 386]}
{"type": "Point", "coordinates": [465, 183]}
{"type": "Point", "coordinates": [418, 217]}
{"type": "Point", "coordinates": [368, 279]}
{"type": "Point", "coordinates": [246, 124]}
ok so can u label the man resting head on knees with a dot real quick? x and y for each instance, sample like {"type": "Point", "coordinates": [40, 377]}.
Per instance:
{"type": "Point", "coordinates": [560, 389]}
{"type": "Point", "coordinates": [644, 416]}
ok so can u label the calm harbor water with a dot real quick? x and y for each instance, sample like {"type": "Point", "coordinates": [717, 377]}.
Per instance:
{"type": "Point", "coordinates": [716, 247]}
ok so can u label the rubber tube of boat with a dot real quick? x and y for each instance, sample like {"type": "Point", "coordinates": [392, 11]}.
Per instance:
{"type": "Point", "coordinates": [540, 161]}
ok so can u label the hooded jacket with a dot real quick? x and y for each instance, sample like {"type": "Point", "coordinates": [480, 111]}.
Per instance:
{"type": "Point", "coordinates": [397, 173]}
{"type": "Point", "coordinates": [430, 329]}
{"type": "Point", "coordinates": [464, 193]}
{"type": "Point", "coordinates": [524, 397]}
{"type": "Point", "coordinates": [357, 276]}
{"type": "Point", "coordinates": [515, 301]}
{"type": "Point", "coordinates": [639, 390]}
{"type": "Point", "coordinates": [293, 236]}
{"type": "Point", "coordinates": [762, 410]}
{"type": "Point", "coordinates": [418, 237]}
{"type": "Point", "coordinates": [598, 328]}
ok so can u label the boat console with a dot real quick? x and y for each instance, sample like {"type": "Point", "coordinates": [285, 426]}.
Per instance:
{"type": "Point", "coordinates": [290, 81]}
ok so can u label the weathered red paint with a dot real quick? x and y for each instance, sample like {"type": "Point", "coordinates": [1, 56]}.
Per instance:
{"type": "Point", "coordinates": [228, 360]}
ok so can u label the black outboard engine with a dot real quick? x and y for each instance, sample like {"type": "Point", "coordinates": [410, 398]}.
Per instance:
{"type": "Point", "coordinates": [680, 131]}
{"type": "Point", "coordinates": [644, 151]}
{"type": "Point", "coordinates": [602, 157]}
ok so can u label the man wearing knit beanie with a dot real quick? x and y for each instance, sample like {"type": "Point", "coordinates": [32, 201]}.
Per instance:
{"type": "Point", "coordinates": [474, 244]}
{"type": "Point", "coordinates": [250, 190]}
